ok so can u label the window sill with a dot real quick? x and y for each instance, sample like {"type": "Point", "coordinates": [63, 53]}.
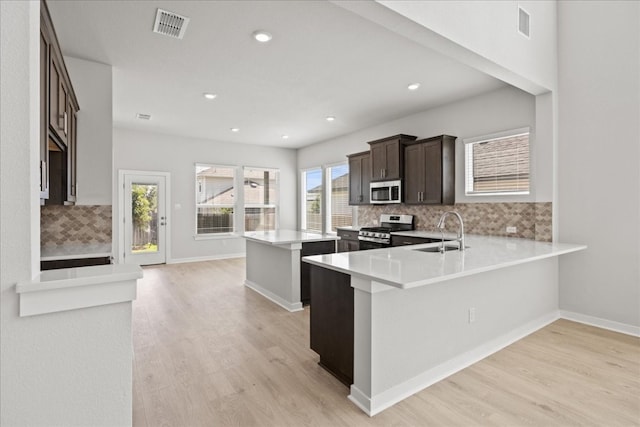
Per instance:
{"type": "Point", "coordinates": [217, 236]}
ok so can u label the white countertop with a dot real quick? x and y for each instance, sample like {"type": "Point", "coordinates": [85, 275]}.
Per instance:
{"type": "Point", "coordinates": [283, 237]}
{"type": "Point", "coordinates": [75, 251]}
{"type": "Point", "coordinates": [404, 267]}
{"type": "Point", "coordinates": [80, 276]}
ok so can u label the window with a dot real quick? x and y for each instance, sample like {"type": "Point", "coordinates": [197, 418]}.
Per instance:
{"type": "Point", "coordinates": [312, 199]}
{"type": "Point", "coordinates": [261, 194]}
{"type": "Point", "coordinates": [215, 199]}
{"type": "Point", "coordinates": [338, 209]}
{"type": "Point", "coordinates": [498, 164]}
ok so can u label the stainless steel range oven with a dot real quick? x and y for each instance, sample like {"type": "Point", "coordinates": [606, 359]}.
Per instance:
{"type": "Point", "coordinates": [380, 237]}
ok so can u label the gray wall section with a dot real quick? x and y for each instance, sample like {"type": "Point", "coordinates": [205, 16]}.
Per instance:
{"type": "Point", "coordinates": [598, 173]}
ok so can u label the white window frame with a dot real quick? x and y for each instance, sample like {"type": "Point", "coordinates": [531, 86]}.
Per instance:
{"type": "Point", "coordinates": [325, 202]}
{"type": "Point", "coordinates": [238, 217]}
{"type": "Point", "coordinates": [303, 198]}
{"type": "Point", "coordinates": [468, 177]}
{"type": "Point", "coordinates": [326, 189]}
{"type": "Point", "coordinates": [261, 205]}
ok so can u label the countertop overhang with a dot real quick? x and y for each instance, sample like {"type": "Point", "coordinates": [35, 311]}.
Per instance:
{"type": "Point", "coordinates": [405, 267]}
{"type": "Point", "coordinates": [285, 237]}
{"type": "Point", "coordinates": [80, 287]}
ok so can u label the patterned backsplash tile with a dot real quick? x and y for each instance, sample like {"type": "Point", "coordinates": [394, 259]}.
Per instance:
{"type": "Point", "coordinates": [532, 220]}
{"type": "Point", "coordinates": [72, 225]}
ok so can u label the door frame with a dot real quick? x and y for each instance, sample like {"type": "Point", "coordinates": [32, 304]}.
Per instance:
{"type": "Point", "coordinates": [122, 204]}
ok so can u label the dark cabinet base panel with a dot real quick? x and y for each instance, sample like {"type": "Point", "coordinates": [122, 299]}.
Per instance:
{"type": "Point", "coordinates": [70, 263]}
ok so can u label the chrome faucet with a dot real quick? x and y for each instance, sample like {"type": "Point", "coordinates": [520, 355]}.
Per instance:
{"type": "Point", "coordinates": [460, 238]}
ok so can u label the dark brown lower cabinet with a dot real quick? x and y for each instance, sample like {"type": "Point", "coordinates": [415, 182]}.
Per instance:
{"type": "Point", "coordinates": [308, 249]}
{"type": "Point", "coordinates": [332, 321]}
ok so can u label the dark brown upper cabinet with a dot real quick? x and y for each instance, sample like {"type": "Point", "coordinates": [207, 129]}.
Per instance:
{"type": "Point", "coordinates": [387, 157]}
{"type": "Point", "coordinates": [58, 120]}
{"type": "Point", "coordinates": [359, 178]}
{"type": "Point", "coordinates": [429, 175]}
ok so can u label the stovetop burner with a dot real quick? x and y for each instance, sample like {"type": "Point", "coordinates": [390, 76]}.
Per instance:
{"type": "Point", "coordinates": [381, 236]}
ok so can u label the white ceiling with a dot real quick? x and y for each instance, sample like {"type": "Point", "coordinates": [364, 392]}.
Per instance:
{"type": "Point", "coordinates": [323, 61]}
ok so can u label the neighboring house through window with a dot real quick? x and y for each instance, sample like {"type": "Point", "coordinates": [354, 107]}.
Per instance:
{"type": "Point", "coordinates": [325, 186]}
{"type": "Point", "coordinates": [498, 164]}
{"type": "Point", "coordinates": [215, 199]}
{"type": "Point", "coordinates": [312, 199]}
{"type": "Point", "coordinates": [261, 197]}
{"type": "Point", "coordinates": [339, 213]}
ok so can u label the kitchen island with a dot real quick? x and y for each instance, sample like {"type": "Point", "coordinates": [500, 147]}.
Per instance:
{"type": "Point", "coordinates": [418, 317]}
{"type": "Point", "coordinates": [273, 264]}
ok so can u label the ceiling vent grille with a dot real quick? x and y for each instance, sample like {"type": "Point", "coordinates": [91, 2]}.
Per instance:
{"type": "Point", "coordinates": [523, 22]}
{"type": "Point", "coordinates": [170, 24]}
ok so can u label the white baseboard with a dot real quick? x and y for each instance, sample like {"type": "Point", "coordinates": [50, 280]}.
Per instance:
{"type": "Point", "coordinates": [380, 402]}
{"type": "Point", "coordinates": [289, 306]}
{"type": "Point", "coordinates": [206, 258]}
{"type": "Point", "coordinates": [623, 328]}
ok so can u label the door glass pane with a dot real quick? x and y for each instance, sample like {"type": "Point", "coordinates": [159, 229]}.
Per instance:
{"type": "Point", "coordinates": [312, 207]}
{"type": "Point", "coordinates": [144, 214]}
{"type": "Point", "coordinates": [340, 209]}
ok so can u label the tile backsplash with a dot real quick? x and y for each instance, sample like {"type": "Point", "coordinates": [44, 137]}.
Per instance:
{"type": "Point", "coordinates": [532, 220]}
{"type": "Point", "coordinates": [72, 225]}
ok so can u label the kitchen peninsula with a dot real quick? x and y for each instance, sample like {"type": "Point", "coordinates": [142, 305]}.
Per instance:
{"type": "Point", "coordinates": [419, 316]}
{"type": "Point", "coordinates": [274, 268]}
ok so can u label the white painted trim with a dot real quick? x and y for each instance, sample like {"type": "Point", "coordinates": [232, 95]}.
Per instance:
{"type": "Point", "coordinates": [610, 325]}
{"type": "Point", "coordinates": [360, 400]}
{"type": "Point", "coordinates": [292, 307]}
{"type": "Point", "coordinates": [206, 258]}
{"type": "Point", "coordinates": [390, 397]}
{"type": "Point", "coordinates": [83, 287]}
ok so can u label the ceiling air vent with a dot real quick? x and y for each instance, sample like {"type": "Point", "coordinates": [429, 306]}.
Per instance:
{"type": "Point", "coordinates": [523, 22]}
{"type": "Point", "coordinates": [170, 24]}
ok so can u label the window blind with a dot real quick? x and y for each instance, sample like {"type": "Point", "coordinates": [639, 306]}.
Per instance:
{"type": "Point", "coordinates": [498, 165]}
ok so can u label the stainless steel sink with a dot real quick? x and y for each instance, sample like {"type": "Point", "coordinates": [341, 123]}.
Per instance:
{"type": "Point", "coordinates": [437, 248]}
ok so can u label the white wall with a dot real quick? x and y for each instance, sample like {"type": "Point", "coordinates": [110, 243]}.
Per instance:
{"type": "Point", "coordinates": [599, 151]}
{"type": "Point", "coordinates": [92, 84]}
{"type": "Point", "coordinates": [490, 29]}
{"type": "Point", "coordinates": [52, 365]}
{"type": "Point", "coordinates": [134, 150]}
{"type": "Point", "coordinates": [504, 109]}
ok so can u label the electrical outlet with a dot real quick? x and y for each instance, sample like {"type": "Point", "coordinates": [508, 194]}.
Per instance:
{"type": "Point", "coordinates": [512, 229]}
{"type": "Point", "coordinates": [472, 315]}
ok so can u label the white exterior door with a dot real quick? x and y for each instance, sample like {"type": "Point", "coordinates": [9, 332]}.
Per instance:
{"type": "Point", "coordinates": [144, 219]}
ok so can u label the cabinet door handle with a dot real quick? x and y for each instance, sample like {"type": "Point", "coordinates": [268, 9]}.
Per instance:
{"type": "Point", "coordinates": [43, 175]}
{"type": "Point", "coordinates": [66, 120]}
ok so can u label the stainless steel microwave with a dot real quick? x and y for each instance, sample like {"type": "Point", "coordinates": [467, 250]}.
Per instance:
{"type": "Point", "coordinates": [386, 192]}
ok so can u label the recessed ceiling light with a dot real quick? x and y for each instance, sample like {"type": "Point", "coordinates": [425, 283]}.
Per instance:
{"type": "Point", "coordinates": [210, 95]}
{"type": "Point", "coordinates": [285, 136]}
{"type": "Point", "coordinates": [142, 116]}
{"type": "Point", "coordinates": [330, 118]}
{"type": "Point", "coordinates": [235, 130]}
{"type": "Point", "coordinates": [413, 86]}
{"type": "Point", "coordinates": [262, 36]}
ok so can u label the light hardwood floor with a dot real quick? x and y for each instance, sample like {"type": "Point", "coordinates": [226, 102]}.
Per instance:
{"type": "Point", "coordinates": [210, 352]}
